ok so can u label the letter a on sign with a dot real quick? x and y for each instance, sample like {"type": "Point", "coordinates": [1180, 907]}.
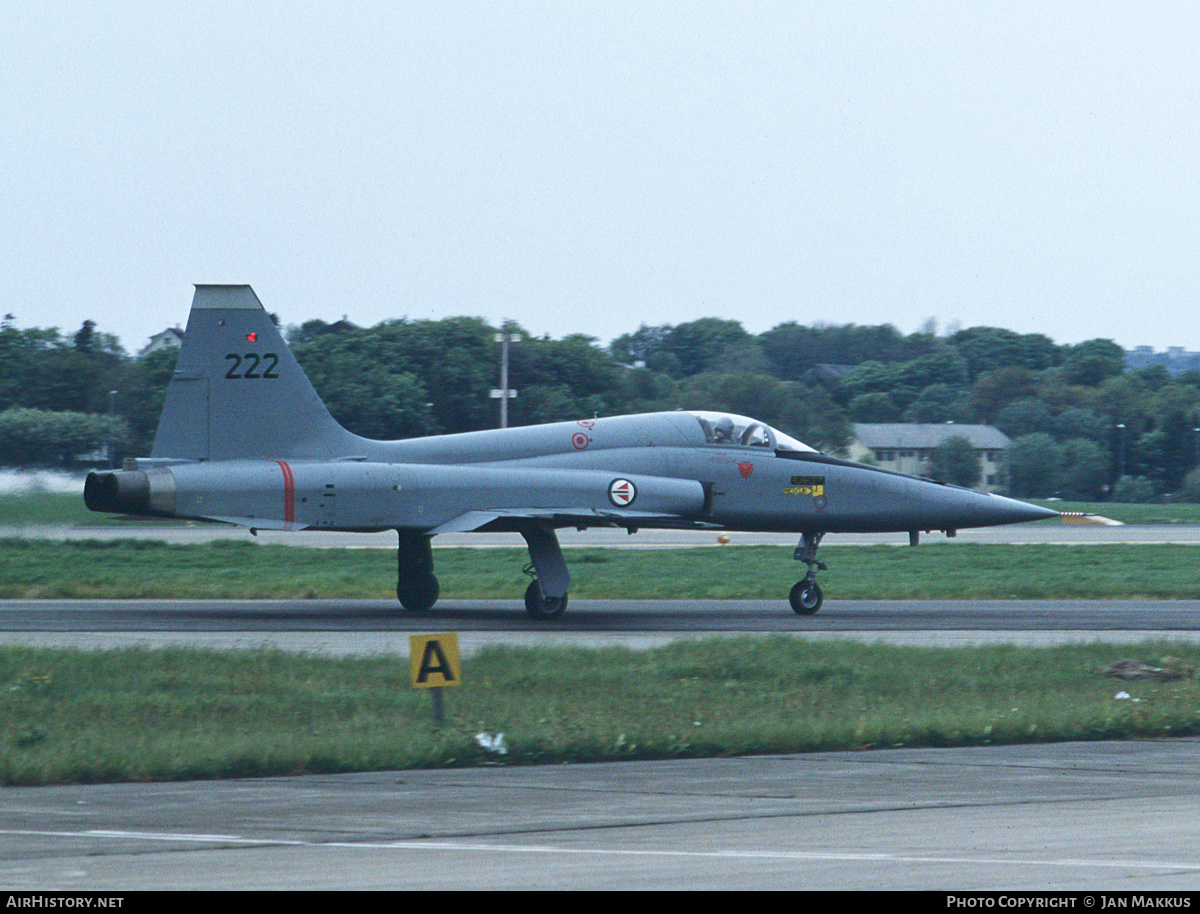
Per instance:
{"type": "Point", "coordinates": [435, 660]}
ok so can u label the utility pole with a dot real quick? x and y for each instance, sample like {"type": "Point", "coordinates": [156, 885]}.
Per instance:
{"type": "Point", "coordinates": [112, 415]}
{"type": "Point", "coordinates": [504, 337]}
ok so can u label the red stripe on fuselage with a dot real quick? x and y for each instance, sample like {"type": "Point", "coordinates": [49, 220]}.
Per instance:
{"type": "Point", "coordinates": [289, 492]}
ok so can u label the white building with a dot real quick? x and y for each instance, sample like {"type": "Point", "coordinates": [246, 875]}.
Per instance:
{"type": "Point", "coordinates": [172, 337]}
{"type": "Point", "coordinates": [906, 447]}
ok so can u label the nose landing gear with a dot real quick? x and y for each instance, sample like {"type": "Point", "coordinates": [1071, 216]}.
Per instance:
{"type": "Point", "coordinates": [806, 597]}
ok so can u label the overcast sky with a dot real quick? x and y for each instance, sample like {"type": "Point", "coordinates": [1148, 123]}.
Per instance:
{"type": "Point", "coordinates": [590, 167]}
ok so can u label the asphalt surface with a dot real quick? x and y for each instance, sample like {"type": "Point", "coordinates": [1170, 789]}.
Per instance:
{"type": "Point", "coordinates": [1070, 817]}
{"type": "Point", "coordinates": [1042, 532]}
{"type": "Point", "coordinates": [381, 626]}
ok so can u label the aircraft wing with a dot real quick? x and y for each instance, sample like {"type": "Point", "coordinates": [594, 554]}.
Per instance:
{"type": "Point", "coordinates": [558, 517]}
{"type": "Point", "coordinates": [471, 521]}
{"type": "Point", "coordinates": [257, 523]}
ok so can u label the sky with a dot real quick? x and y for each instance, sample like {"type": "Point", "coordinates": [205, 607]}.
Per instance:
{"type": "Point", "coordinates": [583, 167]}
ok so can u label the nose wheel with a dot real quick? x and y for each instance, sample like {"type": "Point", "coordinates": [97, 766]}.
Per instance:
{"type": "Point", "coordinates": [806, 596]}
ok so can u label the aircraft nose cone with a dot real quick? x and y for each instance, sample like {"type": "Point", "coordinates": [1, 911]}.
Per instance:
{"type": "Point", "coordinates": [998, 509]}
{"type": "Point", "coordinates": [949, 506]}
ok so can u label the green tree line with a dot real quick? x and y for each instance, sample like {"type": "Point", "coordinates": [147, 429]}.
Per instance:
{"type": "Point", "coordinates": [1083, 426]}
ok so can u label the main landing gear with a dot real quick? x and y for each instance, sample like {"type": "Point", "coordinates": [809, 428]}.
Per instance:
{"type": "Point", "coordinates": [416, 585]}
{"type": "Point", "coordinates": [806, 597]}
{"type": "Point", "coordinates": [540, 606]}
{"type": "Point", "coordinates": [546, 597]}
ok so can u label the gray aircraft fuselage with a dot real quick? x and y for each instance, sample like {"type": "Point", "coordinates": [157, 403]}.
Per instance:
{"type": "Point", "coordinates": [679, 480]}
{"type": "Point", "coordinates": [244, 439]}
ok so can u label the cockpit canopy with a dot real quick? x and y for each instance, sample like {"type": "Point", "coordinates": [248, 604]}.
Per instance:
{"type": "Point", "coordinates": [740, 431]}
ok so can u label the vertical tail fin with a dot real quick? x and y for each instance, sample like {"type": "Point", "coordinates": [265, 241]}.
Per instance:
{"type": "Point", "coordinates": [238, 392]}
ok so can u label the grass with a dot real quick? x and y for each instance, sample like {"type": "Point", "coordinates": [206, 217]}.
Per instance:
{"type": "Point", "coordinates": [1149, 514]}
{"type": "Point", "coordinates": [178, 713]}
{"type": "Point", "coordinates": [238, 569]}
{"type": "Point", "coordinates": [38, 508]}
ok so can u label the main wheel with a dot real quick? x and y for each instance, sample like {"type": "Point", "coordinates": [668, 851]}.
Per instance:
{"type": "Point", "coordinates": [418, 594]}
{"type": "Point", "coordinates": [806, 598]}
{"type": "Point", "coordinates": [540, 606]}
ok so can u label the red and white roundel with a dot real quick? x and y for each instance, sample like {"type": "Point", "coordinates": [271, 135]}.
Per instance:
{"type": "Point", "coordinates": [580, 441]}
{"type": "Point", "coordinates": [622, 492]}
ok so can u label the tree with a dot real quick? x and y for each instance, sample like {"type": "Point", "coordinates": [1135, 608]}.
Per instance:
{"type": "Point", "coordinates": [1092, 361]}
{"type": "Point", "coordinates": [699, 344]}
{"type": "Point", "coordinates": [85, 337]}
{"type": "Point", "coordinates": [877, 407]}
{"type": "Point", "coordinates": [1082, 423]}
{"type": "Point", "coordinates": [759, 396]}
{"type": "Point", "coordinates": [639, 346]}
{"type": "Point", "coordinates": [991, 348]}
{"type": "Point", "coordinates": [955, 461]}
{"type": "Point", "coordinates": [868, 378]}
{"type": "Point", "coordinates": [810, 414]}
{"type": "Point", "coordinates": [1149, 459]}
{"type": "Point", "coordinates": [1191, 487]}
{"type": "Point", "coordinates": [994, 390]}
{"type": "Point", "coordinates": [1025, 417]}
{"type": "Point", "coordinates": [1126, 400]}
{"type": "Point", "coordinates": [373, 401]}
{"type": "Point", "coordinates": [1031, 463]}
{"type": "Point", "coordinates": [944, 367]}
{"type": "Point", "coordinates": [451, 364]}
{"type": "Point", "coordinates": [643, 391]}
{"type": "Point", "coordinates": [45, 438]}
{"type": "Point", "coordinates": [793, 349]}
{"type": "Point", "coordinates": [141, 395]}
{"type": "Point", "coordinates": [1085, 470]}
{"type": "Point", "coordinates": [1133, 489]}
{"type": "Point", "coordinates": [939, 403]}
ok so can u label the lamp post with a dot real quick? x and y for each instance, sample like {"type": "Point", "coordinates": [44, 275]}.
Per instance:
{"type": "Point", "coordinates": [503, 394]}
{"type": "Point", "coordinates": [112, 412]}
{"type": "Point", "coordinates": [1120, 450]}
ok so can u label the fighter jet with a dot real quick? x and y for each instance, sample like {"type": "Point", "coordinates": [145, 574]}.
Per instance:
{"type": "Point", "coordinates": [244, 439]}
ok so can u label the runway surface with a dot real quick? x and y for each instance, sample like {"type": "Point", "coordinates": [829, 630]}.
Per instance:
{"type": "Point", "coordinates": [1042, 532]}
{"type": "Point", "coordinates": [380, 626]}
{"type": "Point", "coordinates": [1067, 817]}
{"type": "Point", "coordinates": [1059, 817]}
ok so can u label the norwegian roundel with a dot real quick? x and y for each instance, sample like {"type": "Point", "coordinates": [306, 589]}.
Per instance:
{"type": "Point", "coordinates": [622, 492]}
